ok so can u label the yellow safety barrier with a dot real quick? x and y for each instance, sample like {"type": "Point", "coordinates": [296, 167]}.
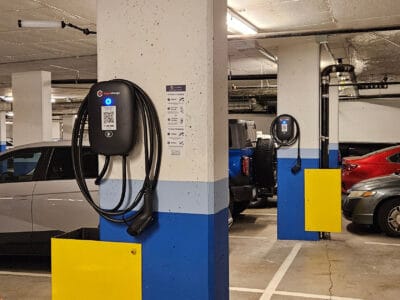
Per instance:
{"type": "Point", "coordinates": [88, 269]}
{"type": "Point", "coordinates": [322, 193]}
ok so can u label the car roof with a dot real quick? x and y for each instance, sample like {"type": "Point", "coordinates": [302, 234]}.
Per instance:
{"type": "Point", "coordinates": [63, 143]}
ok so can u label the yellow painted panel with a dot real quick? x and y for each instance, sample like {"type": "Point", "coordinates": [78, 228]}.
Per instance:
{"type": "Point", "coordinates": [84, 269]}
{"type": "Point", "coordinates": [322, 193]}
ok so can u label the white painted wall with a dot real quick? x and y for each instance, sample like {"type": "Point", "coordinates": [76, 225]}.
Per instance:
{"type": "Point", "coordinates": [373, 121]}
{"type": "Point", "coordinates": [165, 45]}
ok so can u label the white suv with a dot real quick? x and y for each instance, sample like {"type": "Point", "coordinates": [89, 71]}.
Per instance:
{"type": "Point", "coordinates": [39, 197]}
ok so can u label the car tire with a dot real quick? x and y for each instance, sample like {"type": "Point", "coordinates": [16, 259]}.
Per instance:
{"type": "Point", "coordinates": [260, 202]}
{"type": "Point", "coordinates": [389, 217]}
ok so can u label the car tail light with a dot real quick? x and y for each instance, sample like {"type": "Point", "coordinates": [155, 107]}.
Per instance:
{"type": "Point", "coordinates": [246, 165]}
{"type": "Point", "coordinates": [350, 167]}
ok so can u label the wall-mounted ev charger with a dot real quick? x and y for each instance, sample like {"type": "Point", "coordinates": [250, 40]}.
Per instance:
{"type": "Point", "coordinates": [285, 131]}
{"type": "Point", "coordinates": [117, 112]}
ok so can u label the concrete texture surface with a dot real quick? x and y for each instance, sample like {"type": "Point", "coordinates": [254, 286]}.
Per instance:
{"type": "Point", "coordinates": [358, 263]}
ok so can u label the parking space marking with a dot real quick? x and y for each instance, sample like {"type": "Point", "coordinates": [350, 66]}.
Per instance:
{"type": "Point", "coordinates": [273, 284]}
{"type": "Point", "coordinates": [249, 237]}
{"type": "Point", "coordinates": [312, 296]}
{"type": "Point", "coordinates": [259, 214]}
{"type": "Point", "coordinates": [246, 290]}
{"type": "Point", "coordinates": [381, 244]}
{"type": "Point", "coordinates": [25, 274]}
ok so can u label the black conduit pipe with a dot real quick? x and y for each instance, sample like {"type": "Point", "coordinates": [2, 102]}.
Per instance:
{"type": "Point", "coordinates": [324, 105]}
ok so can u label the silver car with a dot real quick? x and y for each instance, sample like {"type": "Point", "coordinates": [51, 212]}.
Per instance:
{"type": "Point", "coordinates": [375, 202]}
{"type": "Point", "coordinates": [39, 197]}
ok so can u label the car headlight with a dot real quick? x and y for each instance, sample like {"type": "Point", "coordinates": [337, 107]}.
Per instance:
{"type": "Point", "coordinates": [361, 194]}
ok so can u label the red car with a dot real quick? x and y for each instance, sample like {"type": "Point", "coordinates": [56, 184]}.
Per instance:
{"type": "Point", "coordinates": [379, 163]}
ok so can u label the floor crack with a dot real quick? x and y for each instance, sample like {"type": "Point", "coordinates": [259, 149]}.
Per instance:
{"type": "Point", "coordinates": [329, 270]}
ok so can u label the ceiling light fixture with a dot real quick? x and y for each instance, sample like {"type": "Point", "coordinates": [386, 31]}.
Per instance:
{"type": "Point", "coordinates": [7, 98]}
{"type": "Point", "coordinates": [52, 24]}
{"type": "Point", "coordinates": [238, 24]}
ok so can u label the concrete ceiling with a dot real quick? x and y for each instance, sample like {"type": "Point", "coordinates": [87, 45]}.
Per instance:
{"type": "Point", "coordinates": [68, 53]}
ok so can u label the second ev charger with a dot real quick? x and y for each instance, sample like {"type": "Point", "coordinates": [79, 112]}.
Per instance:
{"type": "Point", "coordinates": [285, 131]}
{"type": "Point", "coordinates": [118, 110]}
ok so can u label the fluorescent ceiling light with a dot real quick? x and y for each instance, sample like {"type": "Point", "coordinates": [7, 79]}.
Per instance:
{"type": "Point", "coordinates": [51, 24]}
{"type": "Point", "coordinates": [40, 24]}
{"type": "Point", "coordinates": [237, 24]}
{"type": "Point", "coordinates": [7, 98]}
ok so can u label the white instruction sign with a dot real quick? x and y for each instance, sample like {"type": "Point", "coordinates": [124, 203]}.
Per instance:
{"type": "Point", "coordinates": [176, 98]}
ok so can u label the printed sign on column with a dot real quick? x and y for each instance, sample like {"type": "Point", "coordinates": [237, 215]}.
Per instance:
{"type": "Point", "coordinates": [176, 95]}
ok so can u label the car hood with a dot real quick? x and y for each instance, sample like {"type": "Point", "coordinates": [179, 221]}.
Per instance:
{"type": "Point", "coordinates": [388, 181]}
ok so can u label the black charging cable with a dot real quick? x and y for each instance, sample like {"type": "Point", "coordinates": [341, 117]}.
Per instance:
{"type": "Point", "coordinates": [285, 143]}
{"type": "Point", "coordinates": [152, 143]}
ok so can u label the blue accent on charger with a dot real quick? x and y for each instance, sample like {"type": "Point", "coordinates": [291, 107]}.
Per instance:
{"type": "Point", "coordinates": [185, 256]}
{"type": "Point", "coordinates": [291, 215]}
{"type": "Point", "coordinates": [108, 101]}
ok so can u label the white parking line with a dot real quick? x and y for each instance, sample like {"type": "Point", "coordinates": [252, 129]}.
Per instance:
{"type": "Point", "coordinates": [246, 290]}
{"type": "Point", "coordinates": [313, 296]}
{"type": "Point", "coordinates": [250, 237]}
{"type": "Point", "coordinates": [258, 214]}
{"type": "Point", "coordinates": [25, 274]}
{"type": "Point", "coordinates": [273, 284]}
{"type": "Point", "coordinates": [381, 244]}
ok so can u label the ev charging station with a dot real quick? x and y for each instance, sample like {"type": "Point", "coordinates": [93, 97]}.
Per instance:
{"type": "Point", "coordinates": [177, 55]}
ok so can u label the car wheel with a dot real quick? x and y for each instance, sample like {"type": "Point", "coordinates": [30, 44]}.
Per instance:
{"type": "Point", "coordinates": [258, 202]}
{"type": "Point", "coordinates": [389, 217]}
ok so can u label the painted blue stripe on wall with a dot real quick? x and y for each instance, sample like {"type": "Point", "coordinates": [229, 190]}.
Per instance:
{"type": "Point", "coordinates": [292, 153]}
{"type": "Point", "coordinates": [291, 215]}
{"type": "Point", "coordinates": [185, 256]}
{"type": "Point", "coordinates": [173, 196]}
{"type": "Point", "coordinates": [334, 159]}
{"type": "Point", "coordinates": [2, 147]}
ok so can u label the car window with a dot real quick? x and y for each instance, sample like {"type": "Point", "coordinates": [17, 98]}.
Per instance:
{"type": "Point", "coordinates": [394, 158]}
{"type": "Point", "coordinates": [19, 166]}
{"type": "Point", "coordinates": [60, 166]}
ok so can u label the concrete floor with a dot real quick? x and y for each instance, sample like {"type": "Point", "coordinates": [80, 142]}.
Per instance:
{"type": "Point", "coordinates": [356, 264]}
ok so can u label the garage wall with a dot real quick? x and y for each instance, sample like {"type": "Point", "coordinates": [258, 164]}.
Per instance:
{"type": "Point", "coordinates": [373, 121]}
{"type": "Point", "coordinates": [263, 121]}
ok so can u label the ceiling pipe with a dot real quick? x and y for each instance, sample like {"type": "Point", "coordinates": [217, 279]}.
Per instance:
{"type": "Point", "coordinates": [377, 83]}
{"type": "Point", "coordinates": [288, 34]}
{"type": "Point", "coordinates": [361, 97]}
{"type": "Point", "coordinates": [73, 81]}
{"type": "Point", "coordinates": [253, 77]}
{"type": "Point", "coordinates": [324, 104]}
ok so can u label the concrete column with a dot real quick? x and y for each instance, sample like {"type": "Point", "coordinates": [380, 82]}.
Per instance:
{"type": "Point", "coordinates": [298, 95]}
{"type": "Point", "coordinates": [67, 125]}
{"type": "Point", "coordinates": [160, 45]}
{"type": "Point", "coordinates": [3, 135]}
{"type": "Point", "coordinates": [334, 125]}
{"type": "Point", "coordinates": [32, 107]}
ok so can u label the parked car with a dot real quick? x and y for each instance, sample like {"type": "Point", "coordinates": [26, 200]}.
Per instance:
{"type": "Point", "coordinates": [375, 202]}
{"type": "Point", "coordinates": [251, 168]}
{"type": "Point", "coordinates": [378, 163]}
{"type": "Point", "coordinates": [39, 197]}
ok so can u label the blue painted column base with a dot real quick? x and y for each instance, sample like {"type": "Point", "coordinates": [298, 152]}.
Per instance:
{"type": "Point", "coordinates": [334, 159]}
{"type": "Point", "coordinates": [174, 262]}
{"type": "Point", "coordinates": [291, 216]}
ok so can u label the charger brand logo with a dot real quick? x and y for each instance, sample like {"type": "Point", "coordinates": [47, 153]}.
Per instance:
{"type": "Point", "coordinates": [100, 93]}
